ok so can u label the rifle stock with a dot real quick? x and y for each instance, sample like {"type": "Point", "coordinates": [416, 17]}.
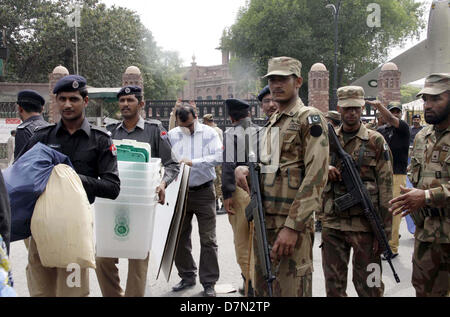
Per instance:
{"type": "Point", "coordinates": [359, 195]}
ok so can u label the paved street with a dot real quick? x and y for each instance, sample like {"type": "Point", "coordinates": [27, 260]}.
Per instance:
{"type": "Point", "coordinates": [229, 270]}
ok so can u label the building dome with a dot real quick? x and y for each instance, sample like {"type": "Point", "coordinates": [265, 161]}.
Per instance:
{"type": "Point", "coordinates": [60, 70]}
{"type": "Point", "coordinates": [133, 70]}
{"type": "Point", "coordinates": [318, 67]}
{"type": "Point", "coordinates": [389, 66]}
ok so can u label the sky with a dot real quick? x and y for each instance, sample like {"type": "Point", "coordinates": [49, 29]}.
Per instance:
{"type": "Point", "coordinates": [191, 27]}
{"type": "Point", "coordinates": [194, 27]}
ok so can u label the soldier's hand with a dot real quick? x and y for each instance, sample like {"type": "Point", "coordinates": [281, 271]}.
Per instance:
{"type": "Point", "coordinates": [333, 174]}
{"type": "Point", "coordinates": [285, 244]}
{"type": "Point", "coordinates": [161, 191]}
{"type": "Point", "coordinates": [241, 173]}
{"type": "Point", "coordinates": [228, 204]}
{"type": "Point", "coordinates": [412, 200]}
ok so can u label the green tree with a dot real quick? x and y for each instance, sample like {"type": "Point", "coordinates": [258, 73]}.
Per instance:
{"type": "Point", "coordinates": [109, 40]}
{"type": "Point", "coordinates": [408, 93]}
{"type": "Point", "coordinates": [304, 29]}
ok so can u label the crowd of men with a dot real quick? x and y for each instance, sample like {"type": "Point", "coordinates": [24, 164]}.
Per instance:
{"type": "Point", "coordinates": [301, 183]}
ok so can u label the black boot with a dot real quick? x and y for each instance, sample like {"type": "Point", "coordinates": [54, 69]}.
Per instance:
{"type": "Point", "coordinates": [250, 288]}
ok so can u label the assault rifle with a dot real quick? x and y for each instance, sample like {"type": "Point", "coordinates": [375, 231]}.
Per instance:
{"type": "Point", "coordinates": [357, 194]}
{"type": "Point", "coordinates": [254, 211]}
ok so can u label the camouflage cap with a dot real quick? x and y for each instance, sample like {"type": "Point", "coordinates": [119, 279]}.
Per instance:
{"type": "Point", "coordinates": [208, 117]}
{"type": "Point", "coordinates": [436, 84]}
{"type": "Point", "coordinates": [394, 105]}
{"type": "Point", "coordinates": [284, 66]}
{"type": "Point", "coordinates": [333, 115]}
{"type": "Point", "coordinates": [351, 96]}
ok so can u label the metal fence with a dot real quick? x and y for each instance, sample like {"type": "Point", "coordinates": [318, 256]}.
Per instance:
{"type": "Point", "coordinates": [161, 109]}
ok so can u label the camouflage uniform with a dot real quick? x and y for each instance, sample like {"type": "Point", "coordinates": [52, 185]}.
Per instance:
{"type": "Point", "coordinates": [293, 192]}
{"type": "Point", "coordinates": [430, 170]}
{"type": "Point", "coordinates": [350, 229]}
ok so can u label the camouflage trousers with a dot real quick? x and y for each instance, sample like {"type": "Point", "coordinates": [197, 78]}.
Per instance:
{"type": "Point", "coordinates": [218, 182]}
{"type": "Point", "coordinates": [293, 274]}
{"type": "Point", "coordinates": [336, 245]}
{"type": "Point", "coordinates": [431, 269]}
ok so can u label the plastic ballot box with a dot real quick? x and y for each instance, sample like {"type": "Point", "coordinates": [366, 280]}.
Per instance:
{"type": "Point", "coordinates": [124, 227]}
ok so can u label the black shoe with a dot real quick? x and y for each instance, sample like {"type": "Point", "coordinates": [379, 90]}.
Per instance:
{"type": "Point", "coordinates": [182, 285]}
{"type": "Point", "coordinates": [209, 291]}
{"type": "Point", "coordinates": [393, 256]}
{"type": "Point", "coordinates": [221, 211]}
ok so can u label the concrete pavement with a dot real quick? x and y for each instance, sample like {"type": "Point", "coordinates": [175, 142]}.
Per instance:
{"type": "Point", "coordinates": [229, 270]}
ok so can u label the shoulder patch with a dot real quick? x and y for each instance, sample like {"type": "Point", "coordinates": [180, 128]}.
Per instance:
{"type": "Point", "coordinates": [314, 119]}
{"type": "Point", "coordinates": [316, 130]}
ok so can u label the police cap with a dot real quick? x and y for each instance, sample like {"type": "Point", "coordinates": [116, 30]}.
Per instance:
{"type": "Point", "coordinates": [30, 97]}
{"type": "Point", "coordinates": [237, 107]}
{"type": "Point", "coordinates": [130, 90]}
{"type": "Point", "coordinates": [70, 83]}
{"type": "Point", "coordinates": [263, 93]}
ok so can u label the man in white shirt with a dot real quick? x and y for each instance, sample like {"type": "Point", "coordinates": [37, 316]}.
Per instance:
{"type": "Point", "coordinates": [199, 147]}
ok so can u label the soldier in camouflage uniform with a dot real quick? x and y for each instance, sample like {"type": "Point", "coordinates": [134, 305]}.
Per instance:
{"type": "Point", "coordinates": [292, 192]}
{"type": "Point", "coordinates": [428, 201]}
{"type": "Point", "coordinates": [349, 228]}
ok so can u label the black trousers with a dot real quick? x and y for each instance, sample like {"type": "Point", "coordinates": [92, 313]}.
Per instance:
{"type": "Point", "coordinates": [202, 203]}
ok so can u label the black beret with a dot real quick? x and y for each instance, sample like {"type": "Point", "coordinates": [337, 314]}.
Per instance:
{"type": "Point", "coordinates": [31, 97]}
{"type": "Point", "coordinates": [70, 83]}
{"type": "Point", "coordinates": [263, 92]}
{"type": "Point", "coordinates": [130, 90]}
{"type": "Point", "coordinates": [416, 116]}
{"type": "Point", "coordinates": [236, 106]}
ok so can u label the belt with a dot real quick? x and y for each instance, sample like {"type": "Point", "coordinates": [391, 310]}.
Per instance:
{"type": "Point", "coordinates": [434, 212]}
{"type": "Point", "coordinates": [195, 188]}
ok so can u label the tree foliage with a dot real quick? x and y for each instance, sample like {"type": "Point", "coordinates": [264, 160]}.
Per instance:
{"type": "Point", "coordinates": [109, 40]}
{"type": "Point", "coordinates": [304, 29]}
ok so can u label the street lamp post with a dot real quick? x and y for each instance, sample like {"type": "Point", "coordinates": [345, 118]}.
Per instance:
{"type": "Point", "coordinates": [335, 11]}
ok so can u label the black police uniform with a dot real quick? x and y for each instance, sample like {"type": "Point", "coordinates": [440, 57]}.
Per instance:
{"type": "Point", "coordinates": [91, 152]}
{"type": "Point", "coordinates": [25, 131]}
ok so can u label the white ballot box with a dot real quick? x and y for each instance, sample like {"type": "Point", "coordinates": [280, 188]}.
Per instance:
{"type": "Point", "coordinates": [124, 227]}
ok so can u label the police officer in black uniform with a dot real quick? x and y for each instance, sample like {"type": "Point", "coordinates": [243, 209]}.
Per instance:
{"type": "Point", "coordinates": [94, 158]}
{"type": "Point", "coordinates": [134, 127]}
{"type": "Point", "coordinates": [29, 107]}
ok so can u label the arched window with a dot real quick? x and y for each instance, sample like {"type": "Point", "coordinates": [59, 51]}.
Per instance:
{"type": "Point", "coordinates": [314, 83]}
{"type": "Point", "coordinates": [320, 83]}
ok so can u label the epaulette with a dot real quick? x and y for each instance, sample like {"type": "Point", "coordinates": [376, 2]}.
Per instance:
{"type": "Point", "coordinates": [43, 127]}
{"type": "Point", "coordinates": [153, 121]}
{"type": "Point", "coordinates": [23, 125]}
{"type": "Point", "coordinates": [112, 126]}
{"type": "Point", "coordinates": [103, 130]}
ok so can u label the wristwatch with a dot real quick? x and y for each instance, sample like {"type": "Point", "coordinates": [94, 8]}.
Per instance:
{"type": "Point", "coordinates": [427, 197]}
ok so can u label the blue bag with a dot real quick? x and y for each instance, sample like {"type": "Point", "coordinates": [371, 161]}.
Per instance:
{"type": "Point", "coordinates": [25, 181]}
